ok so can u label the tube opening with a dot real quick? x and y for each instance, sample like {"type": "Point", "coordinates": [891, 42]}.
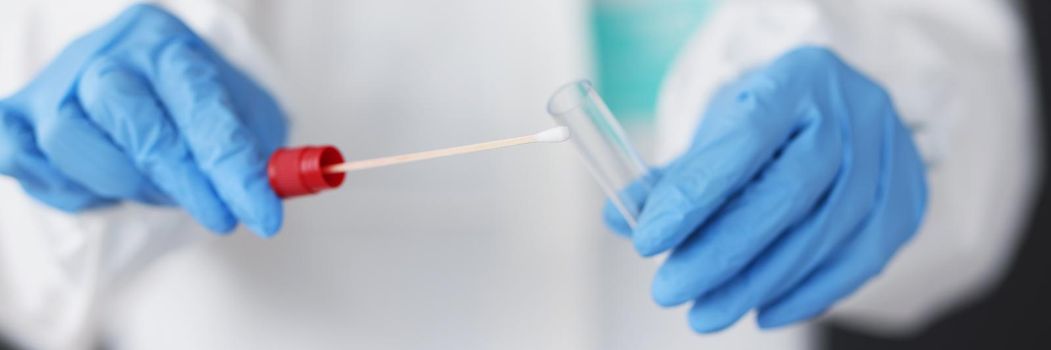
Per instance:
{"type": "Point", "coordinates": [569, 97]}
{"type": "Point", "coordinates": [330, 156]}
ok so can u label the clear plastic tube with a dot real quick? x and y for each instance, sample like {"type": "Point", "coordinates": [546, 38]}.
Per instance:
{"type": "Point", "coordinates": [601, 143]}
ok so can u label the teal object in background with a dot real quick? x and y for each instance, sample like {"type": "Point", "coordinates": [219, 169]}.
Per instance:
{"type": "Point", "coordinates": [635, 43]}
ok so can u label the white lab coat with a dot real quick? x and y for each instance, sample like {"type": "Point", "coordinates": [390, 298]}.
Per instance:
{"type": "Point", "coordinates": [501, 250]}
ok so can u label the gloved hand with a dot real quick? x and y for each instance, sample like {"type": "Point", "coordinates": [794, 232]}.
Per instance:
{"type": "Point", "coordinates": [800, 185]}
{"type": "Point", "coordinates": [143, 109]}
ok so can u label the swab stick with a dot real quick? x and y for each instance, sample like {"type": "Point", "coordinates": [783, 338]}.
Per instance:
{"type": "Point", "coordinates": [553, 135]}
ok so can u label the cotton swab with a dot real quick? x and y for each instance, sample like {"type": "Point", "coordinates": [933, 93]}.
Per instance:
{"type": "Point", "coordinates": [553, 135]}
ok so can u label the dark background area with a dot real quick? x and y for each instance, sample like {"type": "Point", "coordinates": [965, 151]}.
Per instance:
{"type": "Point", "coordinates": [1016, 315]}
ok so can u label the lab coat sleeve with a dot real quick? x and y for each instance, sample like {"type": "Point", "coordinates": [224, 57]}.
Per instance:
{"type": "Point", "coordinates": [958, 73]}
{"type": "Point", "coordinates": [56, 269]}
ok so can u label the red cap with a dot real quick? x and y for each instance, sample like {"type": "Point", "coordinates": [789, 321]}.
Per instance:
{"type": "Point", "coordinates": [300, 171]}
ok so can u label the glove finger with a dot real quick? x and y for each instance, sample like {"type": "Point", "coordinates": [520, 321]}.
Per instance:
{"type": "Point", "coordinates": [632, 198]}
{"type": "Point", "coordinates": [788, 189]}
{"type": "Point", "coordinates": [75, 146]}
{"type": "Point", "coordinates": [790, 258]}
{"type": "Point", "coordinates": [189, 84]}
{"type": "Point", "coordinates": [48, 185]}
{"type": "Point", "coordinates": [869, 111]}
{"type": "Point", "coordinates": [121, 103]}
{"type": "Point", "coordinates": [744, 127]}
{"type": "Point", "coordinates": [801, 249]}
{"type": "Point", "coordinates": [267, 122]}
{"type": "Point", "coordinates": [20, 159]}
{"type": "Point", "coordinates": [614, 219]}
{"type": "Point", "coordinates": [746, 123]}
{"type": "Point", "coordinates": [637, 193]}
{"type": "Point", "coordinates": [901, 201]}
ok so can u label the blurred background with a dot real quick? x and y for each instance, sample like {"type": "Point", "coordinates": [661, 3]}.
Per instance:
{"type": "Point", "coordinates": [502, 250]}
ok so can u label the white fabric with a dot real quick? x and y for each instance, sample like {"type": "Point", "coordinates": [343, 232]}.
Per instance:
{"type": "Point", "coordinates": [958, 73]}
{"type": "Point", "coordinates": [459, 254]}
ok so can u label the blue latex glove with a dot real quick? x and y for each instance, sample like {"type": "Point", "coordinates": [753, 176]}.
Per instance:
{"type": "Point", "coordinates": [799, 187]}
{"type": "Point", "coordinates": [142, 109]}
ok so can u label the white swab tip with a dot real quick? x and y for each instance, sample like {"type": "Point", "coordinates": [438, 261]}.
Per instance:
{"type": "Point", "coordinates": [556, 134]}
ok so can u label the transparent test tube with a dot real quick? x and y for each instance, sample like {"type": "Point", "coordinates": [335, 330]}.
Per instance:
{"type": "Point", "coordinates": [602, 144]}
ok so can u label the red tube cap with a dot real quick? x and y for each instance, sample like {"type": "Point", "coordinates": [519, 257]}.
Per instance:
{"type": "Point", "coordinates": [299, 171]}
